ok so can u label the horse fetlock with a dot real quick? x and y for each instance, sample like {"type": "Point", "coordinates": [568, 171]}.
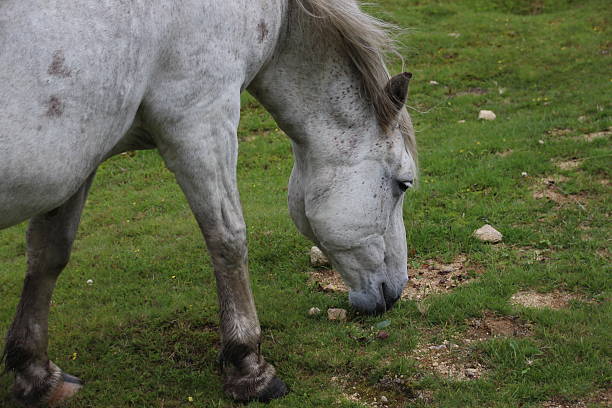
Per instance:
{"type": "Point", "coordinates": [44, 386]}
{"type": "Point", "coordinates": [252, 378]}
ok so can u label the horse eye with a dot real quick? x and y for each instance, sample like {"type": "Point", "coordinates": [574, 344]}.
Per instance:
{"type": "Point", "coordinates": [404, 185]}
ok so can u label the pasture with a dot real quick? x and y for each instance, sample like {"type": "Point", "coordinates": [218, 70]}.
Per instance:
{"type": "Point", "coordinates": [525, 322]}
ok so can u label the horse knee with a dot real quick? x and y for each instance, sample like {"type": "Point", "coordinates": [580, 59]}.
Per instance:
{"type": "Point", "coordinates": [48, 250]}
{"type": "Point", "coordinates": [228, 246]}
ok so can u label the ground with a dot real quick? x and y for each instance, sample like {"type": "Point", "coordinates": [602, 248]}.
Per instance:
{"type": "Point", "coordinates": [522, 323]}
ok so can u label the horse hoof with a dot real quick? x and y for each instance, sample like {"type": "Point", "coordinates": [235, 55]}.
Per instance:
{"type": "Point", "coordinates": [69, 386]}
{"type": "Point", "coordinates": [276, 389]}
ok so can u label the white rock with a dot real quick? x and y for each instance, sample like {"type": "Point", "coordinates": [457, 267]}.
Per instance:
{"type": "Point", "coordinates": [540, 141]}
{"type": "Point", "coordinates": [487, 233]}
{"type": "Point", "coordinates": [314, 311]}
{"type": "Point", "coordinates": [471, 372]}
{"type": "Point", "coordinates": [90, 281]}
{"type": "Point", "coordinates": [486, 115]}
{"type": "Point", "coordinates": [433, 83]}
{"type": "Point", "coordinates": [318, 258]}
{"type": "Point", "coordinates": [461, 121]}
{"type": "Point", "coordinates": [384, 399]}
{"type": "Point", "coordinates": [336, 314]}
{"type": "Point", "coordinates": [524, 174]}
{"type": "Point", "coordinates": [454, 35]}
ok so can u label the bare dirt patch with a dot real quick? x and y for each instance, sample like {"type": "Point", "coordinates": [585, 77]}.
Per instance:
{"type": "Point", "coordinates": [589, 137]}
{"type": "Point", "coordinates": [328, 280]}
{"type": "Point", "coordinates": [552, 300]}
{"type": "Point", "coordinates": [434, 277]}
{"type": "Point", "coordinates": [388, 392]}
{"type": "Point", "coordinates": [505, 153]}
{"type": "Point", "coordinates": [603, 253]}
{"type": "Point", "coordinates": [454, 359]}
{"type": "Point", "coordinates": [532, 255]}
{"type": "Point", "coordinates": [431, 277]}
{"type": "Point", "coordinates": [548, 188]}
{"type": "Point", "coordinates": [558, 132]}
{"type": "Point", "coordinates": [569, 164]}
{"type": "Point", "coordinates": [493, 325]}
{"type": "Point", "coordinates": [449, 360]}
{"type": "Point", "coordinates": [602, 399]}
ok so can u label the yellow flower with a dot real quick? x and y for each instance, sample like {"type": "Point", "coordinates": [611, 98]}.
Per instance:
{"type": "Point", "coordinates": [173, 277]}
{"type": "Point", "coordinates": [190, 399]}
{"type": "Point", "coordinates": [74, 356]}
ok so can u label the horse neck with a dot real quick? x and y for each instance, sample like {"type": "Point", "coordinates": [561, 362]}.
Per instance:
{"type": "Point", "coordinates": [313, 91]}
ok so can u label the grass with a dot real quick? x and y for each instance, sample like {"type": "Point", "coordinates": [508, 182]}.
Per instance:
{"type": "Point", "coordinates": [145, 333]}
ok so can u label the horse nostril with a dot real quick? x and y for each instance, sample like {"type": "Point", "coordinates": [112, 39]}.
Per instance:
{"type": "Point", "coordinates": [387, 296]}
{"type": "Point", "coordinates": [383, 306]}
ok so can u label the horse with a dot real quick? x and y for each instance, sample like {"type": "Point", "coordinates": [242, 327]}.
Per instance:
{"type": "Point", "coordinates": [81, 81]}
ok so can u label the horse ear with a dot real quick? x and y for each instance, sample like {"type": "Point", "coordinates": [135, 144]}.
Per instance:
{"type": "Point", "coordinates": [397, 89]}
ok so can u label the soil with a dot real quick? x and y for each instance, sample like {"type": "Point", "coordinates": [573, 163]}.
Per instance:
{"type": "Point", "coordinates": [602, 399]}
{"type": "Point", "coordinates": [505, 153]}
{"type": "Point", "coordinates": [434, 277]}
{"type": "Point", "coordinates": [589, 137]}
{"type": "Point", "coordinates": [493, 325]}
{"type": "Point", "coordinates": [449, 360]}
{"type": "Point", "coordinates": [548, 188]}
{"type": "Point", "coordinates": [569, 164]}
{"type": "Point", "coordinates": [552, 300]}
{"type": "Point", "coordinates": [559, 132]}
{"type": "Point", "coordinates": [431, 277]}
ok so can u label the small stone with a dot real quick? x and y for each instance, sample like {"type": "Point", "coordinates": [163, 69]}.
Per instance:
{"type": "Point", "coordinates": [439, 347]}
{"type": "Point", "coordinates": [454, 35]}
{"type": "Point", "coordinates": [336, 314]}
{"type": "Point", "coordinates": [486, 115]}
{"type": "Point", "coordinates": [384, 399]}
{"type": "Point", "coordinates": [487, 233]}
{"type": "Point", "coordinates": [471, 372]}
{"type": "Point", "coordinates": [461, 121]}
{"type": "Point", "coordinates": [434, 83]}
{"type": "Point", "coordinates": [541, 142]}
{"type": "Point", "coordinates": [382, 335]}
{"type": "Point", "coordinates": [524, 174]}
{"type": "Point", "coordinates": [313, 311]}
{"type": "Point", "coordinates": [90, 282]}
{"type": "Point", "coordinates": [330, 288]}
{"type": "Point", "coordinates": [446, 268]}
{"type": "Point", "coordinates": [318, 258]}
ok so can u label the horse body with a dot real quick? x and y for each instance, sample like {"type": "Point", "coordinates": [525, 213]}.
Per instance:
{"type": "Point", "coordinates": [74, 83]}
{"type": "Point", "coordinates": [92, 79]}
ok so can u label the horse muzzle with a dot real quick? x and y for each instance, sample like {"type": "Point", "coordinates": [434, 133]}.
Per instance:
{"type": "Point", "coordinates": [378, 300]}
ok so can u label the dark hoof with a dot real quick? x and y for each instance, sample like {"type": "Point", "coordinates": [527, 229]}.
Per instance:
{"type": "Point", "coordinates": [71, 379]}
{"type": "Point", "coordinates": [64, 391]}
{"type": "Point", "coordinates": [275, 389]}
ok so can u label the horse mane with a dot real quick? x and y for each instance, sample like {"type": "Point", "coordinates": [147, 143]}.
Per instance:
{"type": "Point", "coordinates": [367, 40]}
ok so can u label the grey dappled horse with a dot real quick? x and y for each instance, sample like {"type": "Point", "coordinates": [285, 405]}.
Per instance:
{"type": "Point", "coordinates": [81, 81]}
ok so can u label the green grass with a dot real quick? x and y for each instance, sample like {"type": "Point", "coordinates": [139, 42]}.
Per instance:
{"type": "Point", "coordinates": [145, 333]}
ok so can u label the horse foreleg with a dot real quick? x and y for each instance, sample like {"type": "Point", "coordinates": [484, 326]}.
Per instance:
{"type": "Point", "coordinates": [203, 158]}
{"type": "Point", "coordinates": [49, 241]}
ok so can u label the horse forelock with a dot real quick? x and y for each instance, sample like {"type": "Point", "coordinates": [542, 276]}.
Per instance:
{"type": "Point", "coordinates": [367, 40]}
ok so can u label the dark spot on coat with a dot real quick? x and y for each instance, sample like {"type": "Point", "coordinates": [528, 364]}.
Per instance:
{"type": "Point", "coordinates": [55, 108]}
{"type": "Point", "coordinates": [57, 66]}
{"type": "Point", "coordinates": [262, 28]}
